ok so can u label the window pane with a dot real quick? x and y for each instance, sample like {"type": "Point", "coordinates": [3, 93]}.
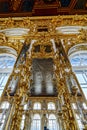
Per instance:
{"type": "Point", "coordinates": [5, 78]}
{"type": "Point", "coordinates": [79, 59]}
{"type": "Point", "coordinates": [80, 78]}
{"type": "Point", "coordinates": [52, 122]}
{"type": "Point", "coordinates": [85, 92]}
{"type": "Point", "coordinates": [2, 120]}
{"type": "Point", "coordinates": [3, 81]}
{"type": "Point", "coordinates": [81, 72]}
{"type": "Point", "coordinates": [51, 106]}
{"type": "Point", "coordinates": [36, 123]}
{"type": "Point", "coordinates": [6, 62]}
{"type": "Point", "coordinates": [75, 61]}
{"type": "Point", "coordinates": [37, 106]}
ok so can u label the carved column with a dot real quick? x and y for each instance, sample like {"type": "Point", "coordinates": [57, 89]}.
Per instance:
{"type": "Point", "coordinates": [23, 86]}
{"type": "Point", "coordinates": [62, 64]}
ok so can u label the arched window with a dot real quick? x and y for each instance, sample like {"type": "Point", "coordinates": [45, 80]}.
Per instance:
{"type": "Point", "coordinates": [37, 106]}
{"type": "Point", "coordinates": [51, 106]}
{"type": "Point", "coordinates": [6, 65]}
{"type": "Point", "coordinates": [79, 64]}
{"type": "Point", "coordinates": [79, 59]}
{"type": "Point", "coordinates": [53, 125]}
{"type": "Point", "coordinates": [36, 122]}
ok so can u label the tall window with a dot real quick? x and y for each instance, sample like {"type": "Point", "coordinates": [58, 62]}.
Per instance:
{"type": "Point", "coordinates": [52, 122]}
{"type": "Point", "coordinates": [79, 63]}
{"type": "Point", "coordinates": [6, 66]}
{"type": "Point", "coordinates": [36, 122]}
{"type": "Point", "coordinates": [4, 107]}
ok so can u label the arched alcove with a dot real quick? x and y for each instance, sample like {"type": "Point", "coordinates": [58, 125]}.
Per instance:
{"type": "Point", "coordinates": [78, 60]}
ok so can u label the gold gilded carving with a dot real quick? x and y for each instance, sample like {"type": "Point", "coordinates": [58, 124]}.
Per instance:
{"type": "Point", "coordinates": [2, 37]}
{"type": "Point", "coordinates": [21, 97]}
{"type": "Point", "coordinates": [51, 22]}
{"type": "Point", "coordinates": [62, 68]}
{"type": "Point", "coordinates": [42, 52]}
{"type": "Point", "coordinates": [15, 45]}
{"type": "Point", "coordinates": [9, 23]}
{"type": "Point", "coordinates": [82, 37]}
{"type": "Point", "coordinates": [5, 42]}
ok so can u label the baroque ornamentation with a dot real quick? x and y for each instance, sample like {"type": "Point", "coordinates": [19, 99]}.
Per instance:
{"type": "Point", "coordinates": [42, 41]}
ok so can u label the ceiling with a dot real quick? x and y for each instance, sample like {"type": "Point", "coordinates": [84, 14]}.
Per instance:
{"type": "Point", "coordinates": [9, 8]}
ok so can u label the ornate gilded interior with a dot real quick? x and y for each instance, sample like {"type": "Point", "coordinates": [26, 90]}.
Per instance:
{"type": "Point", "coordinates": [43, 91]}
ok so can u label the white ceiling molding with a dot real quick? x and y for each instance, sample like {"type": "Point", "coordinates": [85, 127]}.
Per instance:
{"type": "Point", "coordinates": [70, 29]}
{"type": "Point", "coordinates": [15, 31]}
